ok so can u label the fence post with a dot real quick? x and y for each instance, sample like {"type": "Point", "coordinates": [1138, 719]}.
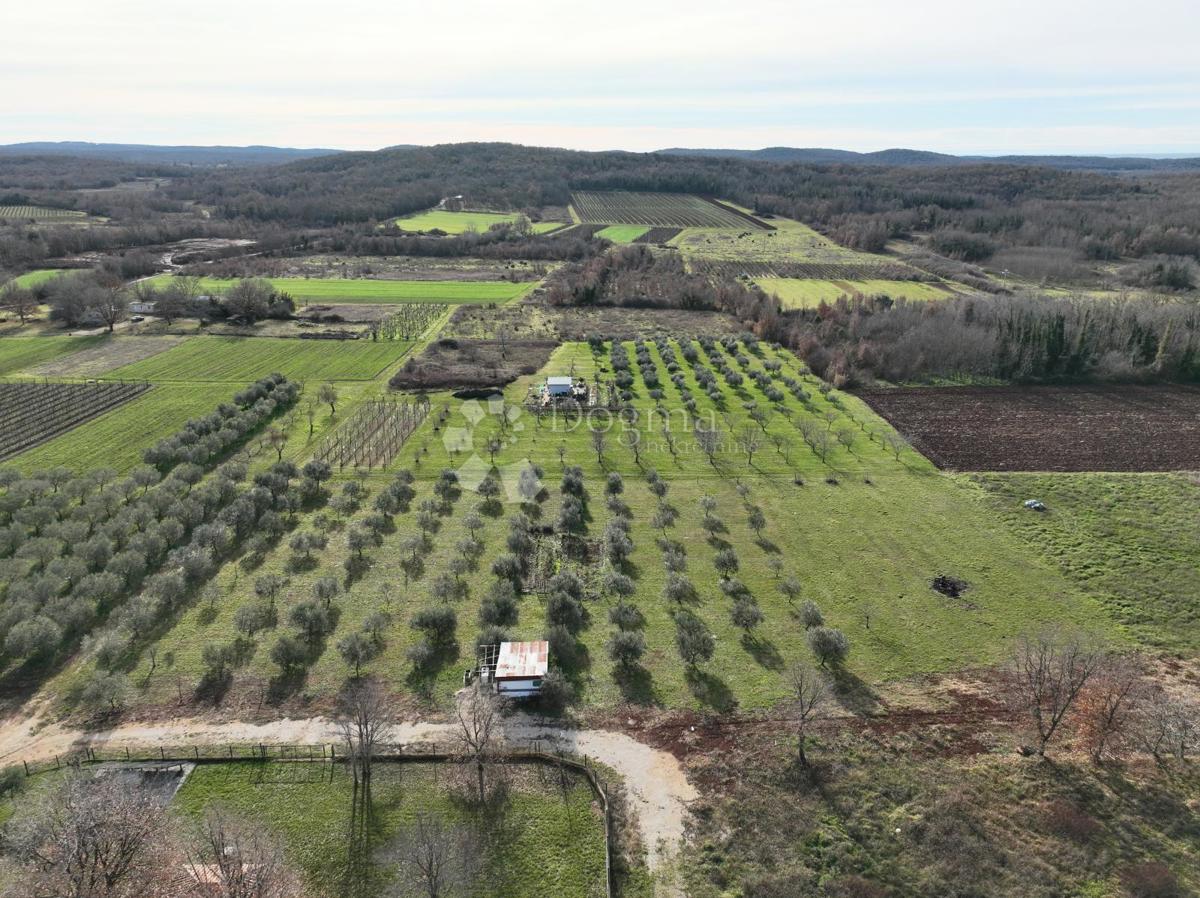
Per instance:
{"type": "Point", "coordinates": [162, 753]}
{"type": "Point", "coordinates": [26, 763]}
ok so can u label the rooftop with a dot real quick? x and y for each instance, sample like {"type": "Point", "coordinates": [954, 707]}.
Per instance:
{"type": "Point", "coordinates": [523, 659]}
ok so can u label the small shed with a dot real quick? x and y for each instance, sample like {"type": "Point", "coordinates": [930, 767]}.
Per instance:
{"type": "Point", "coordinates": [520, 667]}
{"type": "Point", "coordinates": [559, 386]}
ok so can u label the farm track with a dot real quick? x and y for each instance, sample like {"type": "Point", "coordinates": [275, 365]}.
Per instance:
{"type": "Point", "coordinates": [33, 413]}
{"type": "Point", "coordinates": [1064, 428]}
{"type": "Point", "coordinates": [655, 781]}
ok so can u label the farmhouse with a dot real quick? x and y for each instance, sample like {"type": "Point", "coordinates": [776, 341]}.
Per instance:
{"type": "Point", "coordinates": [559, 387]}
{"type": "Point", "coordinates": [563, 388]}
{"type": "Point", "coordinates": [515, 669]}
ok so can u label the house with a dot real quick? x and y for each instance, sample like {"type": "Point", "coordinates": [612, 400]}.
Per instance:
{"type": "Point", "coordinates": [559, 387]}
{"type": "Point", "coordinates": [515, 669]}
{"type": "Point", "coordinates": [142, 308]}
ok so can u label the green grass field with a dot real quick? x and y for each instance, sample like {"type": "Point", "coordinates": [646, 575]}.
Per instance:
{"type": "Point", "coordinates": [461, 222]}
{"type": "Point", "coordinates": [116, 439]}
{"type": "Point", "coordinates": [622, 233]}
{"type": "Point", "coordinates": [34, 278]}
{"type": "Point", "coordinates": [551, 840]}
{"type": "Point", "coordinates": [1129, 539]}
{"type": "Point", "coordinates": [346, 290]}
{"type": "Point", "coordinates": [244, 359]}
{"type": "Point", "coordinates": [19, 353]}
{"type": "Point", "coordinates": [864, 547]}
{"type": "Point", "coordinates": [807, 293]}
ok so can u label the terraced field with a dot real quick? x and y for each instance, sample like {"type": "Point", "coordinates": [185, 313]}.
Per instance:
{"type": "Point", "coordinates": [243, 359]}
{"type": "Point", "coordinates": [350, 290]}
{"type": "Point", "coordinates": [461, 222]}
{"type": "Point", "coordinates": [671, 210]}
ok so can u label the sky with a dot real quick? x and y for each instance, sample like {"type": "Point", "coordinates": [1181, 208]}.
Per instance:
{"type": "Point", "coordinates": [953, 76]}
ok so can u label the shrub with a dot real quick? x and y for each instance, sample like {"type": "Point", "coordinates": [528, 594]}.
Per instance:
{"type": "Point", "coordinates": [1151, 879]}
{"type": "Point", "coordinates": [556, 692]}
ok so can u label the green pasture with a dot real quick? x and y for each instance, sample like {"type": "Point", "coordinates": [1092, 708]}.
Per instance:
{"type": "Point", "coordinates": [807, 293]}
{"type": "Point", "coordinates": [348, 290]}
{"type": "Point", "coordinates": [622, 233]}
{"type": "Point", "coordinates": [461, 222]}
{"type": "Point", "coordinates": [244, 359]}
{"type": "Point", "coordinates": [35, 278]}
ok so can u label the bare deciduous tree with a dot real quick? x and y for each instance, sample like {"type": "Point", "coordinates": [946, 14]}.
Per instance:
{"type": "Point", "coordinates": [363, 714]}
{"type": "Point", "coordinates": [1108, 703]}
{"type": "Point", "coordinates": [1050, 669]}
{"type": "Point", "coordinates": [435, 860]}
{"type": "Point", "coordinates": [236, 860]}
{"type": "Point", "coordinates": [478, 731]}
{"type": "Point", "coordinates": [809, 689]}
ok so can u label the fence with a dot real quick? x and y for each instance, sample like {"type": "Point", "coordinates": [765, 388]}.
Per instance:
{"type": "Point", "coordinates": [424, 752]}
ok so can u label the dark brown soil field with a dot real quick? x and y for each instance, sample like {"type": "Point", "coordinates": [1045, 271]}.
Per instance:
{"type": "Point", "coordinates": [1069, 428]}
{"type": "Point", "coordinates": [457, 363]}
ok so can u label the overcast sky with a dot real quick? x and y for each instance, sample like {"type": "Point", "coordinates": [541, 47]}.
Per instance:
{"type": "Point", "coordinates": [1018, 76]}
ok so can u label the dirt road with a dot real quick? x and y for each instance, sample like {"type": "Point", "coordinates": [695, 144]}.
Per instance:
{"type": "Point", "coordinates": [657, 788]}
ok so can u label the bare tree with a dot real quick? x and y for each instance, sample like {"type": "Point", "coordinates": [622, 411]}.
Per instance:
{"type": "Point", "coordinates": [95, 837]}
{"type": "Point", "coordinates": [236, 860]}
{"type": "Point", "coordinates": [1165, 726]}
{"type": "Point", "coordinates": [478, 731]}
{"type": "Point", "coordinates": [363, 714]}
{"type": "Point", "coordinates": [809, 689]}
{"type": "Point", "coordinates": [708, 439]}
{"type": "Point", "coordinates": [599, 438]}
{"type": "Point", "coordinates": [435, 860]}
{"type": "Point", "coordinates": [1050, 669]}
{"type": "Point", "coordinates": [895, 442]}
{"type": "Point", "coordinates": [1106, 707]}
{"type": "Point", "coordinates": [18, 300]}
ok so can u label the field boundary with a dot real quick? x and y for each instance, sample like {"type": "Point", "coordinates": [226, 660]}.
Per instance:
{"type": "Point", "coordinates": [413, 753]}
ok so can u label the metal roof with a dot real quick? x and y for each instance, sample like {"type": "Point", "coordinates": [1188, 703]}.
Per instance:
{"type": "Point", "coordinates": [523, 659]}
{"type": "Point", "coordinates": [560, 381]}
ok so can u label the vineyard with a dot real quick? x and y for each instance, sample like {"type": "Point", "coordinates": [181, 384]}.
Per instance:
{"type": "Point", "coordinates": [38, 213]}
{"type": "Point", "coordinates": [667, 210]}
{"type": "Point", "coordinates": [830, 271]}
{"type": "Point", "coordinates": [658, 235]}
{"type": "Point", "coordinates": [410, 321]}
{"type": "Point", "coordinates": [34, 412]}
{"type": "Point", "coordinates": [373, 436]}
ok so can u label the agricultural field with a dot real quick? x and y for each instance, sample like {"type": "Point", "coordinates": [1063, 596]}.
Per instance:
{"type": "Point", "coordinates": [36, 278]}
{"type": "Point", "coordinates": [623, 233]}
{"type": "Point", "coordinates": [461, 222]}
{"type": "Point", "coordinates": [1128, 538]}
{"type": "Point", "coordinates": [798, 293]}
{"type": "Point", "coordinates": [789, 243]}
{"type": "Point", "coordinates": [19, 353]}
{"type": "Point", "coordinates": [827, 520]}
{"type": "Point", "coordinates": [552, 843]}
{"type": "Point", "coordinates": [33, 413]}
{"type": "Point", "coordinates": [107, 354]}
{"type": "Point", "coordinates": [665, 210]}
{"type": "Point", "coordinates": [347, 290]}
{"type": "Point", "coordinates": [1068, 428]}
{"type": "Point", "coordinates": [39, 213]}
{"type": "Point", "coordinates": [116, 438]}
{"type": "Point", "coordinates": [243, 359]}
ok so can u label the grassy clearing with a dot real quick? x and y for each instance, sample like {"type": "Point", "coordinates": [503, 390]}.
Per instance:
{"type": "Point", "coordinates": [19, 353]}
{"type": "Point", "coordinates": [622, 233]}
{"type": "Point", "coordinates": [42, 275]}
{"type": "Point", "coordinates": [351, 290]}
{"type": "Point", "coordinates": [243, 359]}
{"type": "Point", "coordinates": [864, 547]}
{"type": "Point", "coordinates": [116, 439]}
{"type": "Point", "coordinates": [807, 293]}
{"type": "Point", "coordinates": [791, 241]}
{"type": "Point", "coordinates": [1129, 539]}
{"type": "Point", "coordinates": [546, 841]}
{"type": "Point", "coordinates": [461, 222]}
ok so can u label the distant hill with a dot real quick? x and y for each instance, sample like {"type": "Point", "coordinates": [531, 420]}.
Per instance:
{"type": "Point", "coordinates": [180, 155]}
{"type": "Point", "coordinates": [924, 157]}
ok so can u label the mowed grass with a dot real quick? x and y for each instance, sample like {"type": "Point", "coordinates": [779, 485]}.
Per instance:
{"type": "Point", "coordinates": [461, 222]}
{"type": "Point", "coordinates": [347, 290]}
{"type": "Point", "coordinates": [32, 279]}
{"type": "Point", "coordinates": [1130, 539]}
{"type": "Point", "coordinates": [244, 359]}
{"type": "Point", "coordinates": [116, 439]}
{"type": "Point", "coordinates": [19, 353]}
{"type": "Point", "coordinates": [547, 840]}
{"type": "Point", "coordinates": [622, 233]}
{"type": "Point", "coordinates": [863, 532]}
{"type": "Point", "coordinates": [807, 293]}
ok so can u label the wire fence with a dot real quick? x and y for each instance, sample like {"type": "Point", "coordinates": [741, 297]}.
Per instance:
{"type": "Point", "coordinates": [536, 752]}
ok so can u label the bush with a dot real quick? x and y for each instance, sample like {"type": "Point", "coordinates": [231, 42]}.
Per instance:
{"type": "Point", "coordinates": [1065, 818]}
{"type": "Point", "coordinates": [1152, 879]}
{"type": "Point", "coordinates": [556, 692]}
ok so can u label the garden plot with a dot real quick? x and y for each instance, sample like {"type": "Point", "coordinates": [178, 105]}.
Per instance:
{"type": "Point", "coordinates": [113, 352]}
